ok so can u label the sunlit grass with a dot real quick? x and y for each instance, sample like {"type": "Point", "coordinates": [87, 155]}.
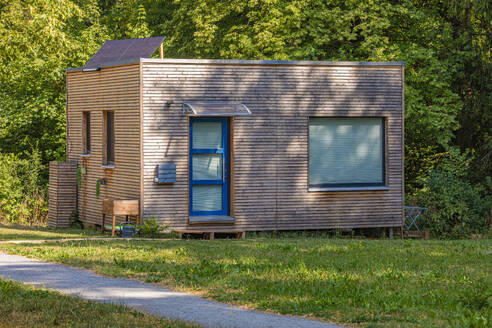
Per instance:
{"type": "Point", "coordinates": [17, 232]}
{"type": "Point", "coordinates": [369, 283]}
{"type": "Point", "coordinates": [24, 306]}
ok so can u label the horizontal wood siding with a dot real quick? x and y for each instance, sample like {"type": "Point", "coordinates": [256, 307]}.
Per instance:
{"type": "Point", "coordinates": [110, 89]}
{"type": "Point", "coordinates": [62, 193]}
{"type": "Point", "coordinates": [270, 159]}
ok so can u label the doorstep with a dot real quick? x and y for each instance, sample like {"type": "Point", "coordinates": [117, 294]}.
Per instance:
{"type": "Point", "coordinates": [220, 219]}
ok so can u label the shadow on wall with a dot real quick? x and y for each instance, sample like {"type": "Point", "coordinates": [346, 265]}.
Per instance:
{"type": "Point", "coordinates": [271, 145]}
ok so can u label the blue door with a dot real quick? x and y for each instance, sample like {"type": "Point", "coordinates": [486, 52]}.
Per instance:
{"type": "Point", "coordinates": [209, 166]}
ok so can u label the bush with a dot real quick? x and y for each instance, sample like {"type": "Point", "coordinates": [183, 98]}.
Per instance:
{"type": "Point", "coordinates": [151, 228]}
{"type": "Point", "coordinates": [23, 189]}
{"type": "Point", "coordinates": [456, 208]}
{"type": "Point", "coordinates": [75, 221]}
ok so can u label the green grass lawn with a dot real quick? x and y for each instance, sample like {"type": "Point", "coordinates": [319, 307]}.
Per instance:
{"type": "Point", "coordinates": [18, 232]}
{"type": "Point", "coordinates": [367, 283]}
{"type": "Point", "coordinates": [14, 232]}
{"type": "Point", "coordinates": [25, 306]}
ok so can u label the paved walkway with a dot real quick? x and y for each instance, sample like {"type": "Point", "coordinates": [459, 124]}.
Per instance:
{"type": "Point", "coordinates": [148, 297]}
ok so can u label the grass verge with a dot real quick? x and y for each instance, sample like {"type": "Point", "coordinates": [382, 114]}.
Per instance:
{"type": "Point", "coordinates": [367, 283]}
{"type": "Point", "coordinates": [17, 232]}
{"type": "Point", "coordinates": [25, 306]}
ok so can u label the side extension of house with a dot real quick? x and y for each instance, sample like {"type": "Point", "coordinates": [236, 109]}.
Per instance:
{"type": "Point", "coordinates": [113, 90]}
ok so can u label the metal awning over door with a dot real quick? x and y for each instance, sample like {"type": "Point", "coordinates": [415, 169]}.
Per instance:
{"type": "Point", "coordinates": [215, 109]}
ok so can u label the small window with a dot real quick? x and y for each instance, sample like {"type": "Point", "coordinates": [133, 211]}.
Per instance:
{"type": "Point", "coordinates": [86, 133]}
{"type": "Point", "coordinates": [346, 153]}
{"type": "Point", "coordinates": [108, 145]}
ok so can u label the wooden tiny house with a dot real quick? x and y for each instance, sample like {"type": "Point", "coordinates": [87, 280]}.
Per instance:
{"type": "Point", "coordinates": [241, 144]}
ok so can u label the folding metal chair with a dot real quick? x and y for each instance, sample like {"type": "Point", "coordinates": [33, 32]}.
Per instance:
{"type": "Point", "coordinates": [412, 213]}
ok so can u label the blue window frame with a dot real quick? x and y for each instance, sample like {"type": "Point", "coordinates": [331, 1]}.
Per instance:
{"type": "Point", "coordinates": [346, 152]}
{"type": "Point", "coordinates": [208, 167]}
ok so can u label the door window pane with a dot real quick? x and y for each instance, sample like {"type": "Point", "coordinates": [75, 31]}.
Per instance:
{"type": "Point", "coordinates": [207, 167]}
{"type": "Point", "coordinates": [346, 151]}
{"type": "Point", "coordinates": [207, 198]}
{"type": "Point", "coordinates": [207, 135]}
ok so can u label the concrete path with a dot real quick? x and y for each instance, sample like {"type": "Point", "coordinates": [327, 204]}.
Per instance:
{"type": "Point", "coordinates": [148, 297]}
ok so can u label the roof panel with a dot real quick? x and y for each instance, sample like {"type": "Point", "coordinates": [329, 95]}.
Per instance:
{"type": "Point", "coordinates": [126, 50]}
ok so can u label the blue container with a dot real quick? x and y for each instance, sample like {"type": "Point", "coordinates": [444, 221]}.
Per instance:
{"type": "Point", "coordinates": [128, 229]}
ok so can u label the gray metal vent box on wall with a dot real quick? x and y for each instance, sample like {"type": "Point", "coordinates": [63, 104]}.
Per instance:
{"type": "Point", "coordinates": [165, 173]}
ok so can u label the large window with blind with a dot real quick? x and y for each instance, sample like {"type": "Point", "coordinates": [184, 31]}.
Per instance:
{"type": "Point", "coordinates": [346, 153]}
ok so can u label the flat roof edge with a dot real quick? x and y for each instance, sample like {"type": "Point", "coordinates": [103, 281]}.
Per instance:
{"type": "Point", "coordinates": [245, 62]}
{"type": "Point", "coordinates": [112, 64]}
{"type": "Point", "coordinates": [268, 62]}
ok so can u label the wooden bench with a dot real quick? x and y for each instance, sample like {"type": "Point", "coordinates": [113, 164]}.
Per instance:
{"type": "Point", "coordinates": [116, 207]}
{"type": "Point", "coordinates": [424, 234]}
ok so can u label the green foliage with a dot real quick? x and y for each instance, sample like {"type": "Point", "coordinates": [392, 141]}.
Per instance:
{"type": "Point", "coordinates": [74, 220]}
{"type": "Point", "coordinates": [127, 19]}
{"type": "Point", "coordinates": [99, 182]}
{"type": "Point", "coordinates": [457, 208]}
{"type": "Point", "coordinates": [38, 40]}
{"type": "Point", "coordinates": [23, 191]}
{"type": "Point", "coordinates": [446, 46]}
{"type": "Point", "coordinates": [79, 177]}
{"type": "Point", "coordinates": [419, 161]}
{"type": "Point", "coordinates": [151, 228]}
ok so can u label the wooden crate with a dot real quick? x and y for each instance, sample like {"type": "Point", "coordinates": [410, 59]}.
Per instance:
{"type": "Point", "coordinates": [418, 234]}
{"type": "Point", "coordinates": [114, 207]}
{"type": "Point", "coordinates": [62, 193]}
{"type": "Point", "coordinates": [121, 206]}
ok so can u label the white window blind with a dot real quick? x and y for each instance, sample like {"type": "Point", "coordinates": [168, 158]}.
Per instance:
{"type": "Point", "coordinates": [346, 152]}
{"type": "Point", "coordinates": [207, 135]}
{"type": "Point", "coordinates": [207, 198]}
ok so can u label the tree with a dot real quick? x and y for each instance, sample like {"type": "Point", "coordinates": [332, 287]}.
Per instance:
{"type": "Point", "coordinates": [38, 40]}
{"type": "Point", "coordinates": [378, 30]}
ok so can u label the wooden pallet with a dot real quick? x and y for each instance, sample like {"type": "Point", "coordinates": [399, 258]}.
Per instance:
{"type": "Point", "coordinates": [418, 234]}
{"type": "Point", "coordinates": [62, 193]}
{"type": "Point", "coordinates": [210, 233]}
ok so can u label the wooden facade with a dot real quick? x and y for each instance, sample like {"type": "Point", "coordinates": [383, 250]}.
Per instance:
{"type": "Point", "coordinates": [62, 193]}
{"type": "Point", "coordinates": [268, 149]}
{"type": "Point", "coordinates": [115, 89]}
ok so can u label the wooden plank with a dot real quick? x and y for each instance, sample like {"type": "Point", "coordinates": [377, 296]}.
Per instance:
{"type": "Point", "coordinates": [402, 141]}
{"type": "Point", "coordinates": [62, 193]}
{"type": "Point", "coordinates": [140, 143]}
{"type": "Point", "coordinates": [210, 233]}
{"type": "Point", "coordinates": [418, 234]}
